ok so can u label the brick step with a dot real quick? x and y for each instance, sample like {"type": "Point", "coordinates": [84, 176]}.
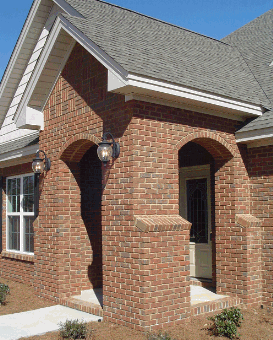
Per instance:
{"type": "Point", "coordinates": [83, 306]}
{"type": "Point", "coordinates": [206, 283]}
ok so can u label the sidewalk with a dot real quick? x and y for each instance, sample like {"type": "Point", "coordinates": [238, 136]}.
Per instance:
{"type": "Point", "coordinates": [39, 321]}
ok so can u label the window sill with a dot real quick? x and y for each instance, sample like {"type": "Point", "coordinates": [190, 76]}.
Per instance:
{"type": "Point", "coordinates": [17, 256]}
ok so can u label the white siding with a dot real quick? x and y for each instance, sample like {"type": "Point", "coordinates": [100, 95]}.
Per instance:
{"type": "Point", "coordinates": [8, 130]}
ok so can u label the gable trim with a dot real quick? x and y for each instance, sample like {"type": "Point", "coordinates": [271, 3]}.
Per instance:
{"type": "Point", "coordinates": [120, 81]}
{"type": "Point", "coordinates": [100, 55]}
{"type": "Point", "coordinates": [68, 9]}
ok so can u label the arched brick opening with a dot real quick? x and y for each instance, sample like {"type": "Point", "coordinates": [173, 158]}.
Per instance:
{"type": "Point", "coordinates": [222, 159]}
{"type": "Point", "coordinates": [80, 187]}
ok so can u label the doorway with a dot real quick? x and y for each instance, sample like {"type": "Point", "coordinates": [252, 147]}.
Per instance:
{"type": "Point", "coordinates": [195, 206]}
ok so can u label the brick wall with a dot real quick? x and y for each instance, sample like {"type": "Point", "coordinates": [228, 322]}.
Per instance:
{"type": "Point", "coordinates": [261, 174]}
{"type": "Point", "coordinates": [138, 269]}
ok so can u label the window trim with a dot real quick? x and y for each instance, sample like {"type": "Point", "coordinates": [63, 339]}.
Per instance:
{"type": "Point", "coordinates": [21, 214]}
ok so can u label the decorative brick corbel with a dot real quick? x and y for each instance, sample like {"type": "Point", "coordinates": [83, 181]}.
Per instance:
{"type": "Point", "coordinates": [248, 221]}
{"type": "Point", "coordinates": [157, 223]}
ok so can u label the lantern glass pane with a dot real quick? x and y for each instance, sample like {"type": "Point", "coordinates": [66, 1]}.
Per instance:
{"type": "Point", "coordinates": [105, 152]}
{"type": "Point", "coordinates": [38, 166]}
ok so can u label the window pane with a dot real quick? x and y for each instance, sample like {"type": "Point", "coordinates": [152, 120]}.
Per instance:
{"type": "Point", "coordinates": [197, 209]}
{"type": "Point", "coordinates": [14, 195]}
{"type": "Point", "coordinates": [14, 232]}
{"type": "Point", "coordinates": [28, 194]}
{"type": "Point", "coordinates": [28, 234]}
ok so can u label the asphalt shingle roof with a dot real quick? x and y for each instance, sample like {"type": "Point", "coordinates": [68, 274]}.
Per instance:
{"type": "Point", "coordinates": [255, 43]}
{"type": "Point", "coordinates": [149, 47]}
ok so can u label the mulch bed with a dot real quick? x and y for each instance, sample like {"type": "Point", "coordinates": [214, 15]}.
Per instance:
{"type": "Point", "coordinates": [257, 323]}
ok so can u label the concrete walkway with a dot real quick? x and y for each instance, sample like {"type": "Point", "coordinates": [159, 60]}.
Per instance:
{"type": "Point", "coordinates": [39, 321]}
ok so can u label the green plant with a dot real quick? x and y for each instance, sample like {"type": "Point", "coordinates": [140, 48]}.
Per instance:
{"type": "Point", "coordinates": [159, 336]}
{"type": "Point", "coordinates": [73, 329]}
{"type": "Point", "coordinates": [226, 323]}
{"type": "Point", "coordinates": [4, 290]}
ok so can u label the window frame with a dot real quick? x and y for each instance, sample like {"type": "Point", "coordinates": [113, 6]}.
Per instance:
{"type": "Point", "coordinates": [21, 214]}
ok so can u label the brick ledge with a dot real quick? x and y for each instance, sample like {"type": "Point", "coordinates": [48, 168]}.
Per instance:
{"type": "Point", "coordinates": [21, 257]}
{"type": "Point", "coordinates": [247, 220]}
{"type": "Point", "coordinates": [157, 223]}
{"type": "Point", "coordinates": [215, 305]}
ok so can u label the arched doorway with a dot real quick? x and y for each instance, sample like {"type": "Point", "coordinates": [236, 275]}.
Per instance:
{"type": "Point", "coordinates": [209, 162]}
{"type": "Point", "coordinates": [80, 185]}
{"type": "Point", "coordinates": [196, 204]}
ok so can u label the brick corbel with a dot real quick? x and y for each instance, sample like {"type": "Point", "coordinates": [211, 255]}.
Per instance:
{"type": "Point", "coordinates": [248, 221]}
{"type": "Point", "coordinates": [157, 223]}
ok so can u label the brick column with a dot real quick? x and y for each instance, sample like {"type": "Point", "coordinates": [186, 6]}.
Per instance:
{"type": "Point", "coordinates": [164, 270]}
{"type": "Point", "coordinates": [241, 271]}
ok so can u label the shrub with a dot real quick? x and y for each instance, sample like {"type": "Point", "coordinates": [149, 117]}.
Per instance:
{"type": "Point", "coordinates": [4, 290]}
{"type": "Point", "coordinates": [159, 336]}
{"type": "Point", "coordinates": [226, 323]}
{"type": "Point", "coordinates": [73, 329]}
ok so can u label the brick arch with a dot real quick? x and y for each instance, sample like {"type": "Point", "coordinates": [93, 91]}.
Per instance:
{"type": "Point", "coordinates": [76, 147]}
{"type": "Point", "coordinates": [217, 146]}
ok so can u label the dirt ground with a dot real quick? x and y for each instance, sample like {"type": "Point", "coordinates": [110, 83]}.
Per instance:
{"type": "Point", "coordinates": [257, 323]}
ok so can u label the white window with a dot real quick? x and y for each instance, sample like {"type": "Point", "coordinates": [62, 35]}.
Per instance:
{"type": "Point", "coordinates": [20, 213]}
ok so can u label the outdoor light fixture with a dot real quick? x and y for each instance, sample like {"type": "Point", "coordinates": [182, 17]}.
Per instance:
{"type": "Point", "coordinates": [106, 149]}
{"type": "Point", "coordinates": [39, 164]}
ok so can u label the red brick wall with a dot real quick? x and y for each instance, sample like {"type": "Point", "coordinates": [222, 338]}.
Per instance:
{"type": "Point", "coordinates": [14, 266]}
{"type": "Point", "coordinates": [261, 174]}
{"type": "Point", "coordinates": [144, 180]}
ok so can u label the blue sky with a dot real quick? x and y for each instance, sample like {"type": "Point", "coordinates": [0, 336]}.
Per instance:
{"type": "Point", "coordinates": [214, 18]}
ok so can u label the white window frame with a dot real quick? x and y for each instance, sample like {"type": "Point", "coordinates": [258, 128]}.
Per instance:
{"type": "Point", "coordinates": [21, 214]}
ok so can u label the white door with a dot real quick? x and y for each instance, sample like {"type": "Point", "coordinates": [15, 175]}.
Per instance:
{"type": "Point", "coordinates": [195, 206]}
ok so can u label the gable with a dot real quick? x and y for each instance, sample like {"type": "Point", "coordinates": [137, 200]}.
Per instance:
{"type": "Point", "coordinates": [183, 69]}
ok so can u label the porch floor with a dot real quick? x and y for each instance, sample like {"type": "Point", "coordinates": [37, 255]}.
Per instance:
{"type": "Point", "coordinates": [200, 294]}
{"type": "Point", "coordinates": [94, 296]}
{"type": "Point", "coordinates": [203, 300]}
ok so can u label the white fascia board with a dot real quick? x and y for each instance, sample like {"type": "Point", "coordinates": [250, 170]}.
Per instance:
{"type": "Point", "coordinates": [93, 49]}
{"type": "Point", "coordinates": [67, 8]}
{"type": "Point", "coordinates": [134, 82]}
{"type": "Point", "coordinates": [11, 155]}
{"type": "Point", "coordinates": [254, 135]}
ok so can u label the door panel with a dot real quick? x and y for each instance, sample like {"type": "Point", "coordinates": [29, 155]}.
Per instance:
{"type": "Point", "coordinates": [195, 206]}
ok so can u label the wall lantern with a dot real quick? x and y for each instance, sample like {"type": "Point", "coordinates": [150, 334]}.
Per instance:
{"type": "Point", "coordinates": [106, 150]}
{"type": "Point", "coordinates": [39, 164]}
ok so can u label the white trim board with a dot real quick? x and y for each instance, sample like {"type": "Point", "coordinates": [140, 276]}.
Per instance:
{"type": "Point", "coordinates": [67, 8]}
{"type": "Point", "coordinates": [134, 84]}
{"type": "Point", "coordinates": [255, 138]}
{"type": "Point", "coordinates": [62, 23]}
{"type": "Point", "coordinates": [19, 153]}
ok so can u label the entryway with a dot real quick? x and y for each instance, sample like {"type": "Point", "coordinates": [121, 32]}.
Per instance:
{"type": "Point", "coordinates": [195, 205]}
